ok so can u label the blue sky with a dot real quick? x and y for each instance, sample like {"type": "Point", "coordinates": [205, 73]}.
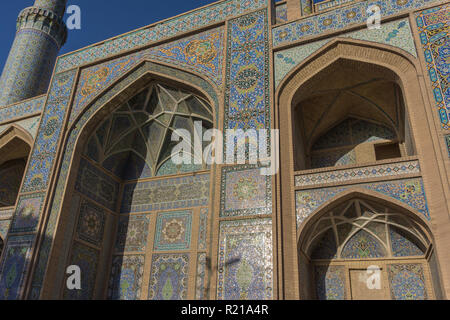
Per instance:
{"type": "Point", "coordinates": [100, 20]}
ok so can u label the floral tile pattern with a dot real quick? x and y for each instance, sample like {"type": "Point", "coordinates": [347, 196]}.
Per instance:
{"type": "Point", "coordinates": [132, 233]}
{"type": "Point", "coordinates": [173, 230]}
{"type": "Point", "coordinates": [245, 192]}
{"type": "Point", "coordinates": [169, 277]}
{"type": "Point", "coordinates": [126, 277]}
{"type": "Point", "coordinates": [245, 260]}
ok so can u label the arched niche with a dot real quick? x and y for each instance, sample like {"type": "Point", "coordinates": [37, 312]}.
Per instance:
{"type": "Point", "coordinates": [330, 85]}
{"type": "Point", "coordinates": [358, 235]}
{"type": "Point", "coordinates": [116, 126]}
{"type": "Point", "coordinates": [15, 146]}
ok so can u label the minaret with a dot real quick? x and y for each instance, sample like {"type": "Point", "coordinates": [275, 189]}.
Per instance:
{"type": "Point", "coordinates": [41, 32]}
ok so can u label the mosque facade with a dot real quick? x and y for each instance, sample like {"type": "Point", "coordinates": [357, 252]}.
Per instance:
{"type": "Point", "coordinates": [342, 191]}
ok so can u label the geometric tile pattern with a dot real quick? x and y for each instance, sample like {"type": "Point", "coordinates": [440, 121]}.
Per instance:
{"type": "Point", "coordinates": [401, 245]}
{"type": "Point", "coordinates": [363, 229]}
{"type": "Point", "coordinates": [97, 185]}
{"type": "Point", "coordinates": [320, 6]}
{"type": "Point", "coordinates": [132, 233]}
{"type": "Point", "coordinates": [384, 170]}
{"type": "Point", "coordinates": [340, 18]}
{"type": "Point", "coordinates": [135, 140]}
{"type": "Point", "coordinates": [16, 258]}
{"type": "Point", "coordinates": [247, 87]}
{"type": "Point", "coordinates": [245, 260]}
{"type": "Point", "coordinates": [201, 274]}
{"type": "Point", "coordinates": [173, 231]}
{"type": "Point", "coordinates": [126, 277]}
{"type": "Point", "coordinates": [169, 277]}
{"type": "Point", "coordinates": [245, 191]}
{"type": "Point", "coordinates": [330, 282]}
{"type": "Point", "coordinates": [433, 26]}
{"type": "Point", "coordinates": [408, 191]}
{"type": "Point", "coordinates": [29, 66]}
{"type": "Point", "coordinates": [171, 193]}
{"type": "Point", "coordinates": [87, 259]}
{"type": "Point", "coordinates": [363, 245]}
{"type": "Point", "coordinates": [198, 18]}
{"type": "Point", "coordinates": [397, 34]}
{"type": "Point", "coordinates": [91, 223]}
{"type": "Point", "coordinates": [407, 282]}
{"type": "Point", "coordinates": [22, 109]}
{"type": "Point", "coordinates": [202, 229]}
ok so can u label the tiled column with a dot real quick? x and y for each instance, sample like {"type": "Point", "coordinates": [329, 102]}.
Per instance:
{"type": "Point", "coordinates": [40, 34]}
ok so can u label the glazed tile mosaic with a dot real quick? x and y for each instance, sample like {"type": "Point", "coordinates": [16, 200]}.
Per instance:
{"type": "Point", "coordinates": [433, 26]}
{"type": "Point", "coordinates": [42, 156]}
{"type": "Point", "coordinates": [397, 34]}
{"type": "Point", "coordinates": [339, 19]}
{"type": "Point", "coordinates": [126, 277]}
{"type": "Point", "coordinates": [245, 192]}
{"type": "Point", "coordinates": [200, 53]}
{"type": "Point", "coordinates": [169, 277]}
{"type": "Point", "coordinates": [247, 88]}
{"type": "Point", "coordinates": [91, 223]}
{"type": "Point", "coordinates": [330, 282]}
{"type": "Point", "coordinates": [146, 233]}
{"type": "Point", "coordinates": [97, 185]}
{"type": "Point", "coordinates": [27, 213]}
{"type": "Point", "coordinates": [199, 18]}
{"type": "Point", "coordinates": [132, 233]}
{"type": "Point", "coordinates": [409, 191]}
{"type": "Point", "coordinates": [344, 175]}
{"type": "Point", "coordinates": [14, 266]}
{"type": "Point", "coordinates": [22, 109]}
{"type": "Point", "coordinates": [173, 231]}
{"type": "Point", "coordinates": [201, 274]}
{"type": "Point", "coordinates": [171, 193]}
{"type": "Point", "coordinates": [245, 260]}
{"type": "Point", "coordinates": [281, 13]}
{"type": "Point", "coordinates": [202, 229]}
{"type": "Point", "coordinates": [407, 282]}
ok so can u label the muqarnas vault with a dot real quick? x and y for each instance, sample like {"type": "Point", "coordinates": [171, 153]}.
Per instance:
{"type": "Point", "coordinates": [363, 114]}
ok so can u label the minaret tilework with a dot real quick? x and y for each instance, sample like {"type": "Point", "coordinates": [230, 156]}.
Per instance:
{"type": "Point", "coordinates": [40, 34]}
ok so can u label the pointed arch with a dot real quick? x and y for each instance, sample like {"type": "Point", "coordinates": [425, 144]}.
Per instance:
{"type": "Point", "coordinates": [392, 64]}
{"type": "Point", "coordinates": [75, 140]}
{"type": "Point", "coordinates": [15, 142]}
{"type": "Point", "coordinates": [342, 198]}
